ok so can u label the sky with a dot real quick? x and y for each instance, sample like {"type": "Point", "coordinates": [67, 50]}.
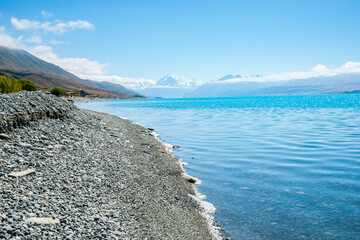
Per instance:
{"type": "Point", "coordinates": [198, 39]}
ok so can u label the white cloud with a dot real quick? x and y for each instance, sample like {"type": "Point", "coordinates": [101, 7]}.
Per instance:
{"type": "Point", "coordinates": [87, 69]}
{"type": "Point", "coordinates": [80, 24]}
{"type": "Point", "coordinates": [76, 66]}
{"type": "Point", "coordinates": [320, 68]}
{"type": "Point", "coordinates": [46, 14]}
{"type": "Point", "coordinates": [58, 27]}
{"type": "Point", "coordinates": [55, 42]}
{"type": "Point", "coordinates": [24, 24]}
{"type": "Point", "coordinates": [8, 41]}
{"type": "Point", "coordinates": [34, 39]}
{"type": "Point", "coordinates": [132, 83]}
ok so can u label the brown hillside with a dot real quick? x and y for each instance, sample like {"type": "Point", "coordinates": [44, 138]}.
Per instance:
{"type": "Point", "coordinates": [48, 81]}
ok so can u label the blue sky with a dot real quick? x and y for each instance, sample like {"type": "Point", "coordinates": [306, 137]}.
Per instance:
{"type": "Point", "coordinates": [201, 39]}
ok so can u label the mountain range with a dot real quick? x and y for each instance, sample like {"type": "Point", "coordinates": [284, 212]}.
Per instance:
{"type": "Point", "coordinates": [342, 83]}
{"type": "Point", "coordinates": [237, 85]}
{"type": "Point", "coordinates": [18, 63]}
{"type": "Point", "coordinates": [171, 86]}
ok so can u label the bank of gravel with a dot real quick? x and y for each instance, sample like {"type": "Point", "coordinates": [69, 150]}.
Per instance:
{"type": "Point", "coordinates": [101, 176]}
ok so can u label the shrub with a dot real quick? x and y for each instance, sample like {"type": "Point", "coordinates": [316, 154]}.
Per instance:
{"type": "Point", "coordinates": [8, 85]}
{"type": "Point", "coordinates": [83, 93]}
{"type": "Point", "coordinates": [57, 91]}
{"type": "Point", "coordinates": [28, 85]}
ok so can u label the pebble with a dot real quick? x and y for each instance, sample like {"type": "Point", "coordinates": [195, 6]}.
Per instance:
{"type": "Point", "coordinates": [25, 145]}
{"type": "Point", "coordinates": [4, 136]}
{"type": "Point", "coordinates": [22, 173]}
{"type": "Point", "coordinates": [43, 220]}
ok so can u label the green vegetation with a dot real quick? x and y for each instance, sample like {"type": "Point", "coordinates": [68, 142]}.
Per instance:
{"type": "Point", "coordinates": [8, 85]}
{"type": "Point", "coordinates": [28, 85]}
{"type": "Point", "coordinates": [83, 93]}
{"type": "Point", "coordinates": [57, 91]}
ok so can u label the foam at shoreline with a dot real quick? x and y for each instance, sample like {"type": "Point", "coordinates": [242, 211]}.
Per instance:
{"type": "Point", "coordinates": [208, 208]}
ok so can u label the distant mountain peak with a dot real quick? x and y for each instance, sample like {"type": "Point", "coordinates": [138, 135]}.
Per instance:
{"type": "Point", "coordinates": [172, 80]}
{"type": "Point", "coordinates": [229, 76]}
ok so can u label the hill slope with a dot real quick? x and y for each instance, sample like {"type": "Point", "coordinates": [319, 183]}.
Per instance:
{"type": "Point", "coordinates": [20, 60]}
{"type": "Point", "coordinates": [17, 63]}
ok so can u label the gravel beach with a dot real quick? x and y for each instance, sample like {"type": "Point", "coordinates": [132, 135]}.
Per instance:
{"type": "Point", "coordinates": [90, 176]}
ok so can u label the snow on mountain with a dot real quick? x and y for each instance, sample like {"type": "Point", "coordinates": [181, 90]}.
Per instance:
{"type": "Point", "coordinates": [236, 78]}
{"type": "Point", "coordinates": [229, 76]}
{"type": "Point", "coordinates": [173, 81]}
{"type": "Point", "coordinates": [171, 86]}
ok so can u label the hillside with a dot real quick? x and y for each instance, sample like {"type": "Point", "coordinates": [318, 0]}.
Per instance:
{"type": "Point", "coordinates": [17, 63]}
{"type": "Point", "coordinates": [48, 81]}
{"type": "Point", "coordinates": [20, 60]}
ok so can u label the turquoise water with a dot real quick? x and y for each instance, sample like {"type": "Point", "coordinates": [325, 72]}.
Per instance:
{"type": "Point", "coordinates": [284, 167]}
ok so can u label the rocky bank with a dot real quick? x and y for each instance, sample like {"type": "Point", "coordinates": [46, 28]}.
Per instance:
{"type": "Point", "coordinates": [95, 176]}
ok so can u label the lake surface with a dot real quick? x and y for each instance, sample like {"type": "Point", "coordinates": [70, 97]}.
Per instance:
{"type": "Point", "coordinates": [284, 167]}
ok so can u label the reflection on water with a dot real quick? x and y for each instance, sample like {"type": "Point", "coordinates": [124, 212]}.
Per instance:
{"type": "Point", "coordinates": [274, 167]}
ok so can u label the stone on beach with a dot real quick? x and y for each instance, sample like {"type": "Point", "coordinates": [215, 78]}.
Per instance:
{"type": "Point", "coordinates": [4, 136]}
{"type": "Point", "coordinates": [43, 220]}
{"type": "Point", "coordinates": [25, 145]}
{"type": "Point", "coordinates": [190, 179]}
{"type": "Point", "coordinates": [22, 173]}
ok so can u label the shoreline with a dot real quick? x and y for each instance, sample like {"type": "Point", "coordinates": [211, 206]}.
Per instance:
{"type": "Point", "coordinates": [96, 175]}
{"type": "Point", "coordinates": [207, 209]}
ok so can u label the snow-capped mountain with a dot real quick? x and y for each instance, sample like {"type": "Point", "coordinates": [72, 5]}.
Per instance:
{"type": "Point", "coordinates": [229, 76]}
{"type": "Point", "coordinates": [171, 86]}
{"type": "Point", "coordinates": [171, 80]}
{"type": "Point", "coordinates": [238, 77]}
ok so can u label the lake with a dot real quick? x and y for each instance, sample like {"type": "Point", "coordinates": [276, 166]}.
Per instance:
{"type": "Point", "coordinates": [282, 167]}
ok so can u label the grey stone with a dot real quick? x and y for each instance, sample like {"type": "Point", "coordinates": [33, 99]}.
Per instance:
{"type": "Point", "coordinates": [25, 145]}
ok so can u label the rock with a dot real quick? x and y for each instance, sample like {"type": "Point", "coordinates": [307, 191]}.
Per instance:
{"type": "Point", "coordinates": [4, 136]}
{"type": "Point", "coordinates": [43, 220]}
{"type": "Point", "coordinates": [25, 145]}
{"type": "Point", "coordinates": [176, 146]}
{"type": "Point", "coordinates": [190, 179]}
{"type": "Point", "coordinates": [20, 174]}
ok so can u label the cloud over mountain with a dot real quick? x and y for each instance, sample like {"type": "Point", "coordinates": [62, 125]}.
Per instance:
{"type": "Point", "coordinates": [74, 65]}
{"type": "Point", "coordinates": [34, 39]}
